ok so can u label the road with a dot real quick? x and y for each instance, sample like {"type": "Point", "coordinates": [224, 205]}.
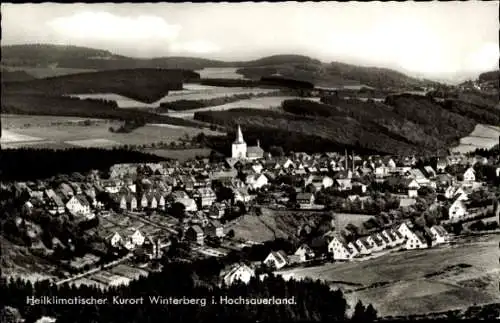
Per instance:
{"type": "Point", "coordinates": [147, 221]}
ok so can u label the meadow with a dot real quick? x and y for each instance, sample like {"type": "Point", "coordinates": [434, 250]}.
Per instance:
{"type": "Point", "coordinates": [15, 121]}
{"type": "Point", "coordinates": [189, 92]}
{"type": "Point", "coordinates": [419, 281]}
{"type": "Point", "coordinates": [94, 135]}
{"type": "Point", "coordinates": [220, 73]}
{"type": "Point", "coordinates": [253, 103]}
{"type": "Point", "coordinates": [483, 136]}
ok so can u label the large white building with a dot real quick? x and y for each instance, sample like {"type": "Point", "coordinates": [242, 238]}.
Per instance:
{"type": "Point", "coordinates": [239, 149]}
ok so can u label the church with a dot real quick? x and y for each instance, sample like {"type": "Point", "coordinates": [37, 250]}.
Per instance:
{"type": "Point", "coordinates": [241, 151]}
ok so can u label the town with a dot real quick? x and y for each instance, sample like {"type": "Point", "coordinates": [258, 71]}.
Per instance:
{"type": "Point", "coordinates": [107, 228]}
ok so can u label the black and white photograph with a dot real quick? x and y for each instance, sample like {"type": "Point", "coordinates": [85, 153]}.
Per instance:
{"type": "Point", "coordinates": [250, 162]}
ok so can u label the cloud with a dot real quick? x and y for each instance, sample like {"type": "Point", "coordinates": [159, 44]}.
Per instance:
{"type": "Point", "coordinates": [141, 35]}
{"type": "Point", "coordinates": [106, 26]}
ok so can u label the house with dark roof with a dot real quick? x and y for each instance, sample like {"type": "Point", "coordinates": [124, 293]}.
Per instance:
{"type": "Point", "coordinates": [195, 234]}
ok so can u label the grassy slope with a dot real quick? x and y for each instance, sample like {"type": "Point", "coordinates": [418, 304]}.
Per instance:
{"type": "Point", "coordinates": [409, 291]}
{"type": "Point", "coordinates": [274, 224]}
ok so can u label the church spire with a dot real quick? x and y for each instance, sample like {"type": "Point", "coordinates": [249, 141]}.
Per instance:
{"type": "Point", "coordinates": [239, 136]}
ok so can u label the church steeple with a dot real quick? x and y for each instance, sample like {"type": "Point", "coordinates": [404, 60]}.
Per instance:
{"type": "Point", "coordinates": [239, 136]}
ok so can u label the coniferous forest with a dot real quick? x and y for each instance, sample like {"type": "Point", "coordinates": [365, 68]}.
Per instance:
{"type": "Point", "coordinates": [314, 301]}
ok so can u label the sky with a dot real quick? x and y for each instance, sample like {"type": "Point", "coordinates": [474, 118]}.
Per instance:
{"type": "Point", "coordinates": [438, 40]}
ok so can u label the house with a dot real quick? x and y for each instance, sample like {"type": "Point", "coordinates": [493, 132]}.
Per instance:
{"type": "Point", "coordinates": [430, 172]}
{"type": "Point", "coordinates": [439, 234]}
{"type": "Point", "coordinates": [319, 182]}
{"type": "Point", "coordinates": [375, 242]}
{"type": "Point", "coordinates": [416, 241]}
{"type": "Point", "coordinates": [441, 164]}
{"type": "Point", "coordinates": [206, 196]}
{"type": "Point", "coordinates": [215, 229]}
{"type": "Point", "coordinates": [256, 181]}
{"type": "Point", "coordinates": [454, 191]}
{"type": "Point", "coordinates": [195, 234]}
{"type": "Point", "coordinates": [128, 202]}
{"type": "Point", "coordinates": [413, 240]}
{"type": "Point", "coordinates": [242, 194]}
{"type": "Point", "coordinates": [276, 259]}
{"type": "Point", "coordinates": [339, 249]}
{"type": "Point", "coordinates": [364, 247]}
{"type": "Point", "coordinates": [56, 205]}
{"type": "Point", "coordinates": [115, 240]}
{"type": "Point", "coordinates": [238, 273]}
{"type": "Point", "coordinates": [78, 204]}
{"type": "Point", "coordinates": [412, 187]}
{"type": "Point", "coordinates": [217, 210]}
{"type": "Point", "coordinates": [359, 188]}
{"type": "Point", "coordinates": [188, 203]}
{"type": "Point", "coordinates": [343, 184]}
{"type": "Point", "coordinates": [304, 253]}
{"type": "Point", "coordinates": [305, 200]}
{"type": "Point", "coordinates": [469, 176]}
{"type": "Point", "coordinates": [457, 209]}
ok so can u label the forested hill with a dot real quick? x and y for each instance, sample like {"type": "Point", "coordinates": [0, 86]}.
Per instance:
{"type": "Point", "coordinates": [146, 85]}
{"type": "Point", "coordinates": [299, 67]}
{"type": "Point", "coordinates": [404, 124]}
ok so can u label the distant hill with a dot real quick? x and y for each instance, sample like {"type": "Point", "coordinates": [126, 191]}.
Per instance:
{"type": "Point", "coordinates": [489, 76]}
{"type": "Point", "coordinates": [298, 67]}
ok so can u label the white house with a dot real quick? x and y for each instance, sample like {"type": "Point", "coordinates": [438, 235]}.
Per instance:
{"type": "Point", "coordinates": [256, 181]}
{"type": "Point", "coordinates": [239, 273]}
{"type": "Point", "coordinates": [78, 204]}
{"type": "Point", "coordinates": [276, 259]}
{"type": "Point", "coordinates": [339, 249]}
{"type": "Point", "coordinates": [304, 253]}
{"type": "Point", "coordinates": [439, 234]}
{"type": "Point", "coordinates": [413, 188]}
{"type": "Point", "coordinates": [457, 209]}
{"type": "Point", "coordinates": [115, 240]}
{"type": "Point", "coordinates": [414, 240]}
{"type": "Point", "coordinates": [469, 175]}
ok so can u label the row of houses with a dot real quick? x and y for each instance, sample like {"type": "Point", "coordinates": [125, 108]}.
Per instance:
{"type": "Point", "coordinates": [403, 236]}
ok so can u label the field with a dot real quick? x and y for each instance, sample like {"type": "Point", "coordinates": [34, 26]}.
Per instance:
{"type": "Point", "coordinates": [483, 136]}
{"type": "Point", "coordinates": [94, 135]}
{"type": "Point", "coordinates": [16, 121]}
{"type": "Point", "coordinates": [254, 103]}
{"type": "Point", "coordinates": [419, 281]}
{"type": "Point", "coordinates": [190, 92]}
{"type": "Point", "coordinates": [219, 73]}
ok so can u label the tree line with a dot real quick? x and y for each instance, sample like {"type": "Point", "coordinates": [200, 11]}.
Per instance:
{"type": "Point", "coordinates": [29, 164]}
